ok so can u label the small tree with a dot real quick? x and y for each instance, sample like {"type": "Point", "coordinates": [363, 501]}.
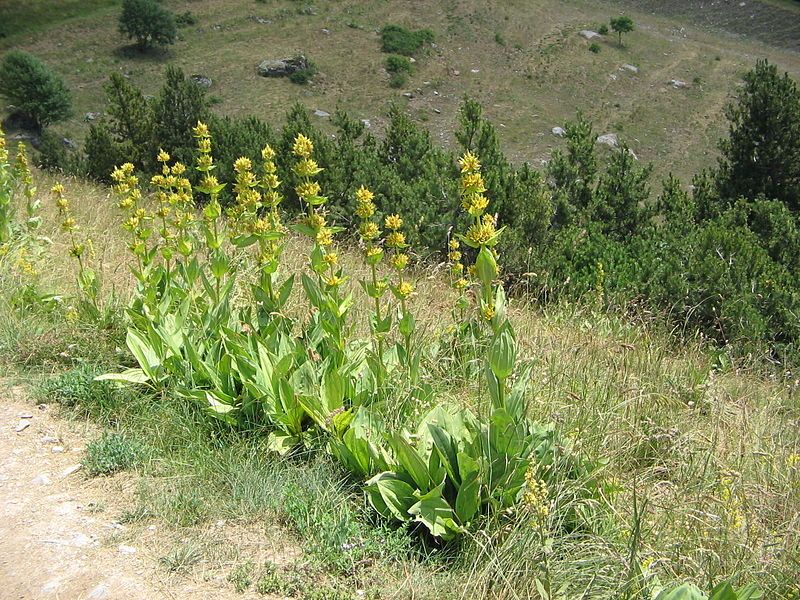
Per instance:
{"type": "Point", "coordinates": [623, 24]}
{"type": "Point", "coordinates": [761, 156]}
{"type": "Point", "coordinates": [33, 89]}
{"type": "Point", "coordinates": [148, 23]}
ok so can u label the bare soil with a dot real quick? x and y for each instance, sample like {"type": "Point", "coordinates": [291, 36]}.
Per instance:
{"type": "Point", "coordinates": [59, 533]}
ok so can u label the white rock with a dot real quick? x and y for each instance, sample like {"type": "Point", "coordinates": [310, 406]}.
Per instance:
{"type": "Point", "coordinates": [123, 549]}
{"type": "Point", "coordinates": [678, 83]}
{"type": "Point", "coordinates": [41, 479]}
{"type": "Point", "coordinates": [25, 415]}
{"type": "Point", "coordinates": [321, 113]}
{"type": "Point", "coordinates": [474, 70]}
{"type": "Point", "coordinates": [70, 470]}
{"type": "Point", "coordinates": [98, 593]}
{"type": "Point", "coordinates": [57, 449]}
{"type": "Point", "coordinates": [588, 34]}
{"type": "Point", "coordinates": [22, 425]}
{"type": "Point", "coordinates": [631, 68]}
{"type": "Point", "coordinates": [608, 139]}
{"type": "Point", "coordinates": [366, 123]}
{"type": "Point", "coordinates": [559, 131]}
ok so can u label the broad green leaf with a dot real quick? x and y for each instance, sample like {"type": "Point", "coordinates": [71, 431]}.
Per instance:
{"type": "Point", "coordinates": [435, 513]}
{"type": "Point", "coordinates": [503, 355]}
{"type": "Point", "coordinates": [468, 499]}
{"type": "Point", "coordinates": [397, 495]}
{"type": "Point", "coordinates": [143, 353]}
{"type": "Point", "coordinates": [687, 591]}
{"type": "Point", "coordinates": [486, 267]}
{"type": "Point", "coordinates": [411, 462]}
{"type": "Point", "coordinates": [127, 376]}
{"type": "Point", "coordinates": [281, 443]}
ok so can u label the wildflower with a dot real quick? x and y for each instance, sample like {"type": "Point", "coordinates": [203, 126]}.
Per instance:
{"type": "Point", "coordinates": [68, 224]}
{"type": "Point", "coordinates": [200, 130]}
{"type": "Point", "coordinates": [393, 222]}
{"type": "Point", "coordinates": [453, 244]}
{"type": "Point", "coordinates": [162, 156]}
{"type": "Point", "coordinates": [369, 231]}
{"type": "Point", "coordinates": [482, 233]}
{"type": "Point", "coordinates": [77, 250]}
{"type": "Point", "coordinates": [267, 153]}
{"type": "Point", "coordinates": [454, 256]}
{"type": "Point", "coordinates": [242, 164]}
{"type": "Point", "coordinates": [400, 261]}
{"type": "Point", "coordinates": [396, 239]}
{"type": "Point", "coordinates": [472, 183]}
{"type": "Point", "coordinates": [364, 195]}
{"type": "Point", "coordinates": [475, 204]}
{"type": "Point", "coordinates": [374, 255]}
{"type": "Point", "coordinates": [335, 281]}
{"type": "Point", "coordinates": [178, 169]}
{"type": "Point", "coordinates": [308, 189]}
{"type": "Point", "coordinates": [469, 163]}
{"type": "Point", "coordinates": [303, 147]}
{"type": "Point", "coordinates": [536, 496]}
{"type": "Point", "coordinates": [57, 189]}
{"type": "Point", "coordinates": [307, 167]}
{"type": "Point", "coordinates": [461, 284]}
{"type": "Point", "coordinates": [204, 145]}
{"type": "Point", "coordinates": [365, 209]}
{"type": "Point", "coordinates": [324, 237]}
{"type": "Point", "coordinates": [316, 221]}
{"type": "Point", "coordinates": [404, 290]}
{"type": "Point", "coordinates": [793, 460]}
{"type": "Point", "coordinates": [488, 312]}
{"type": "Point", "coordinates": [271, 181]}
{"type": "Point", "coordinates": [331, 259]}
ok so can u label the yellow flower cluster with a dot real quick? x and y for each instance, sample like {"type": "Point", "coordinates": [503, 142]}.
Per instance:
{"type": "Point", "coordinates": [536, 497]}
{"type": "Point", "coordinates": [68, 223]}
{"type": "Point", "coordinates": [483, 232]}
{"type": "Point", "coordinates": [175, 207]}
{"type": "Point", "coordinates": [126, 186]}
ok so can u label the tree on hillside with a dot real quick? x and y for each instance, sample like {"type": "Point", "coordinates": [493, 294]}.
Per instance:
{"type": "Point", "coordinates": [148, 23]}
{"type": "Point", "coordinates": [179, 106]}
{"type": "Point", "coordinates": [761, 156]}
{"type": "Point", "coordinates": [34, 90]}
{"type": "Point", "coordinates": [623, 24]}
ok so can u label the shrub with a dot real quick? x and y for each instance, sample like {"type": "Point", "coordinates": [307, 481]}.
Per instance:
{"type": "Point", "coordinates": [398, 80]}
{"type": "Point", "coordinates": [54, 155]}
{"type": "Point", "coordinates": [113, 452]}
{"type": "Point", "coordinates": [76, 387]}
{"type": "Point", "coordinates": [185, 19]}
{"type": "Point", "coordinates": [148, 23]}
{"type": "Point", "coordinates": [622, 24]}
{"type": "Point", "coordinates": [399, 40]}
{"type": "Point", "coordinates": [594, 48]}
{"type": "Point", "coordinates": [303, 76]}
{"type": "Point", "coordinates": [395, 63]}
{"type": "Point", "coordinates": [603, 29]}
{"type": "Point", "coordinates": [34, 90]}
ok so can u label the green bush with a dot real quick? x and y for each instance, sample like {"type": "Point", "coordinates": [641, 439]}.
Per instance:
{"type": "Point", "coordinates": [148, 23]}
{"type": "Point", "coordinates": [34, 90]}
{"type": "Point", "coordinates": [603, 29]}
{"type": "Point", "coordinates": [396, 39]}
{"type": "Point", "coordinates": [303, 76]}
{"type": "Point", "coordinates": [113, 452]}
{"type": "Point", "coordinates": [398, 80]}
{"type": "Point", "coordinates": [394, 63]}
{"type": "Point", "coordinates": [594, 48]}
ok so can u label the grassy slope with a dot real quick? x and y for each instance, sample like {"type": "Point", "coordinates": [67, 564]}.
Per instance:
{"type": "Point", "coordinates": [709, 448]}
{"type": "Point", "coordinates": [541, 76]}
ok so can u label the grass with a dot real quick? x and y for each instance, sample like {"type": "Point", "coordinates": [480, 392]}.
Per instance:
{"type": "Point", "coordinates": [676, 129]}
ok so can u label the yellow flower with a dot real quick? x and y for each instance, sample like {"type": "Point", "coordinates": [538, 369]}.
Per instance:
{"type": "Point", "coordinates": [482, 233]}
{"type": "Point", "coordinates": [369, 230]}
{"type": "Point", "coordinates": [404, 290]}
{"type": "Point", "coordinates": [271, 181]}
{"type": "Point", "coordinates": [162, 156]}
{"type": "Point", "coordinates": [242, 164]}
{"type": "Point", "coordinates": [365, 210]}
{"type": "Point", "coordinates": [488, 312]}
{"type": "Point", "coordinates": [475, 204]}
{"type": "Point", "coordinates": [316, 221]}
{"type": "Point", "coordinates": [334, 281]}
{"type": "Point", "coordinates": [324, 237]}
{"type": "Point", "coordinates": [204, 145]}
{"type": "Point", "coordinates": [267, 153]}
{"type": "Point", "coordinates": [373, 255]}
{"type": "Point", "coordinates": [303, 147]}
{"type": "Point", "coordinates": [205, 163]}
{"type": "Point", "coordinates": [393, 222]}
{"type": "Point", "coordinates": [396, 239]}
{"type": "Point", "coordinates": [793, 460]}
{"type": "Point", "coordinates": [200, 130]}
{"type": "Point", "coordinates": [77, 250]}
{"type": "Point", "coordinates": [307, 167]}
{"type": "Point", "coordinates": [453, 244]}
{"type": "Point", "coordinates": [68, 224]}
{"type": "Point", "coordinates": [309, 189]}
{"type": "Point", "coordinates": [472, 183]}
{"type": "Point", "coordinates": [178, 169]}
{"type": "Point", "coordinates": [454, 256]}
{"type": "Point", "coordinates": [469, 163]}
{"type": "Point", "coordinates": [332, 259]}
{"type": "Point", "coordinates": [400, 261]}
{"type": "Point", "coordinates": [57, 189]}
{"type": "Point", "coordinates": [536, 496]}
{"type": "Point", "coordinates": [461, 284]}
{"type": "Point", "coordinates": [364, 195]}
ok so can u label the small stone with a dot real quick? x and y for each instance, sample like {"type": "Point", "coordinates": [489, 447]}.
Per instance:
{"type": "Point", "coordinates": [321, 113]}
{"type": "Point", "coordinates": [474, 70]}
{"type": "Point", "coordinates": [678, 83]}
{"type": "Point", "coordinates": [91, 116]}
{"type": "Point", "coordinates": [588, 34]}
{"type": "Point", "coordinates": [408, 95]}
{"type": "Point", "coordinates": [201, 81]}
{"type": "Point", "coordinates": [70, 470]}
{"type": "Point", "coordinates": [608, 139]}
{"type": "Point", "coordinates": [123, 549]}
{"type": "Point", "coordinates": [366, 123]}
{"type": "Point", "coordinates": [98, 592]}
{"type": "Point", "coordinates": [456, 72]}
{"type": "Point", "coordinates": [437, 111]}
{"type": "Point", "coordinates": [49, 439]}
{"type": "Point", "coordinates": [25, 416]}
{"type": "Point", "coordinates": [412, 60]}
{"type": "Point", "coordinates": [22, 425]}
{"type": "Point", "coordinates": [41, 479]}
{"type": "Point", "coordinates": [559, 131]}
{"type": "Point", "coordinates": [326, 31]}
{"type": "Point", "coordinates": [435, 93]}
{"type": "Point", "coordinates": [57, 449]}
{"type": "Point", "coordinates": [631, 68]}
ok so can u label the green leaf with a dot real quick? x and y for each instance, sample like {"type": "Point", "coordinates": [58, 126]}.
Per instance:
{"type": "Point", "coordinates": [687, 591]}
{"type": "Point", "coordinates": [468, 498]}
{"type": "Point", "coordinates": [486, 267]}
{"type": "Point", "coordinates": [281, 443]}
{"type": "Point", "coordinates": [503, 355]}
{"type": "Point", "coordinates": [144, 354]}
{"type": "Point", "coordinates": [435, 513]}
{"type": "Point", "coordinates": [396, 495]}
{"type": "Point", "coordinates": [128, 376]}
{"type": "Point", "coordinates": [412, 462]}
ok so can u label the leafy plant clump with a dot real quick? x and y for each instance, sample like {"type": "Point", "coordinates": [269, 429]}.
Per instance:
{"type": "Point", "coordinates": [304, 75]}
{"type": "Point", "coordinates": [148, 23]}
{"type": "Point", "coordinates": [113, 452]}
{"type": "Point", "coordinates": [396, 39]}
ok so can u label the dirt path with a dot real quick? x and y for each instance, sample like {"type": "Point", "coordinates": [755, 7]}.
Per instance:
{"type": "Point", "coordinates": [58, 534]}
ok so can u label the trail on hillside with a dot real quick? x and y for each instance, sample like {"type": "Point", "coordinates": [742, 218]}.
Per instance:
{"type": "Point", "coordinates": [59, 537]}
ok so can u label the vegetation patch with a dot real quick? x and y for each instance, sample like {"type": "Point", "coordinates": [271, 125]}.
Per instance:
{"type": "Point", "coordinates": [396, 39]}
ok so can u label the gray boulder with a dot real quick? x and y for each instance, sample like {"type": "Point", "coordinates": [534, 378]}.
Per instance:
{"type": "Point", "coordinates": [201, 81]}
{"type": "Point", "coordinates": [631, 68]}
{"type": "Point", "coordinates": [588, 34]}
{"type": "Point", "coordinates": [282, 67]}
{"type": "Point", "coordinates": [608, 139]}
{"type": "Point", "coordinates": [321, 113]}
{"type": "Point", "coordinates": [559, 131]}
